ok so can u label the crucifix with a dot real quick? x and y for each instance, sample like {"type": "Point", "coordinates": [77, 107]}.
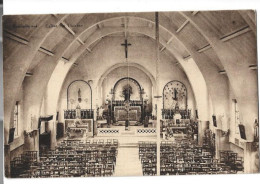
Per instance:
{"type": "Point", "coordinates": [126, 44]}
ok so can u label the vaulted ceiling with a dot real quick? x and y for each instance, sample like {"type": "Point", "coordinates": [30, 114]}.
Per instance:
{"type": "Point", "coordinates": [220, 42]}
{"type": "Point", "coordinates": [175, 27]}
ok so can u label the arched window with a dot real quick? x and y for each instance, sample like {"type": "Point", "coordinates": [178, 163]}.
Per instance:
{"type": "Point", "coordinates": [16, 118]}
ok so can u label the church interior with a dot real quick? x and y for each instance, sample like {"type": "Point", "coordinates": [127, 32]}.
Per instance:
{"type": "Point", "coordinates": [130, 94]}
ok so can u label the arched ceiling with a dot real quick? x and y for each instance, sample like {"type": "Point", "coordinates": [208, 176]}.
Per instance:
{"type": "Point", "coordinates": [46, 39]}
{"type": "Point", "coordinates": [81, 27]}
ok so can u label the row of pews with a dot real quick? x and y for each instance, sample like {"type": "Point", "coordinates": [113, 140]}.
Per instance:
{"type": "Point", "coordinates": [185, 157]}
{"type": "Point", "coordinates": [148, 157]}
{"type": "Point", "coordinates": [23, 163]}
{"type": "Point", "coordinates": [72, 158]}
{"type": "Point", "coordinates": [232, 160]}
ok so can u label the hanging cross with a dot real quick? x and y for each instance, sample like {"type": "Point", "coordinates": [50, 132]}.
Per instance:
{"type": "Point", "coordinates": [126, 44]}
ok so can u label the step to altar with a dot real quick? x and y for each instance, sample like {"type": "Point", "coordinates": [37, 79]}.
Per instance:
{"type": "Point", "coordinates": [122, 123]}
{"type": "Point", "coordinates": [128, 145]}
{"type": "Point", "coordinates": [130, 131]}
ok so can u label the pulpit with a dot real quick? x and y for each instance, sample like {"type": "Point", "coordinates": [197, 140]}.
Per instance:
{"type": "Point", "coordinates": [45, 141]}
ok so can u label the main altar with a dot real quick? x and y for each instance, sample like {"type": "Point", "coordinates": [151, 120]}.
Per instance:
{"type": "Point", "coordinates": [134, 113]}
{"type": "Point", "coordinates": [127, 92]}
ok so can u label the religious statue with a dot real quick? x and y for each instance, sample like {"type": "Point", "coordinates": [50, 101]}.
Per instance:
{"type": "Point", "coordinates": [127, 91]}
{"type": "Point", "coordinates": [79, 95]}
{"type": "Point", "coordinates": [78, 112]}
{"type": "Point", "coordinates": [101, 110]}
{"type": "Point", "coordinates": [256, 131]}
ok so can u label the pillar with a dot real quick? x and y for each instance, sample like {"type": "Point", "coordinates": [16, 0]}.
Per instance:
{"type": "Point", "coordinates": [52, 128]}
{"type": "Point", "coordinates": [221, 142]}
{"type": "Point", "coordinates": [202, 126]}
{"type": "Point", "coordinates": [250, 165]}
{"type": "Point", "coordinates": [7, 161]}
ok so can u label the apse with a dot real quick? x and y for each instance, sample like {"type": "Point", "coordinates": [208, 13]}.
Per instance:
{"type": "Point", "coordinates": [138, 81]}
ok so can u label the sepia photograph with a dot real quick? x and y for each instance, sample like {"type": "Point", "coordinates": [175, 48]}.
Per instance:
{"type": "Point", "coordinates": [130, 94]}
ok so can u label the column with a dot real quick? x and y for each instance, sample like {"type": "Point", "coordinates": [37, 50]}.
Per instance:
{"type": "Point", "coordinates": [158, 97]}
{"type": "Point", "coordinates": [250, 165]}
{"type": "Point", "coordinates": [221, 142]}
{"type": "Point", "coordinates": [7, 161]}
{"type": "Point", "coordinates": [202, 126]}
{"type": "Point", "coordinates": [52, 128]}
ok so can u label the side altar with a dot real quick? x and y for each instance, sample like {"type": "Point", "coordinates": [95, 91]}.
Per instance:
{"type": "Point", "coordinates": [78, 122]}
{"type": "Point", "coordinates": [79, 127]}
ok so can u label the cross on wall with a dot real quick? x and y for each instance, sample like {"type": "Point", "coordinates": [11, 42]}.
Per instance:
{"type": "Point", "coordinates": [126, 44]}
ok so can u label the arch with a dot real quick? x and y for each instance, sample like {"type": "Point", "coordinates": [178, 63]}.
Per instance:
{"type": "Point", "coordinates": [102, 33]}
{"type": "Point", "coordinates": [20, 63]}
{"type": "Point", "coordinates": [186, 99]}
{"type": "Point", "coordinates": [136, 65]}
{"type": "Point", "coordinates": [132, 80]}
{"type": "Point", "coordinates": [79, 81]}
{"type": "Point", "coordinates": [248, 103]}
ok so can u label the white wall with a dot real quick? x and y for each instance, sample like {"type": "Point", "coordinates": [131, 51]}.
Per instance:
{"type": "Point", "coordinates": [109, 52]}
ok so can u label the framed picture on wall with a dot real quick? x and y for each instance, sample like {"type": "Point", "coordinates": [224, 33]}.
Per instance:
{"type": "Point", "coordinates": [242, 131]}
{"type": "Point", "coordinates": [214, 119]}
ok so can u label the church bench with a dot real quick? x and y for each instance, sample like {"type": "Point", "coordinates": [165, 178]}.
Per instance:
{"type": "Point", "coordinates": [188, 158]}
{"type": "Point", "coordinates": [73, 158]}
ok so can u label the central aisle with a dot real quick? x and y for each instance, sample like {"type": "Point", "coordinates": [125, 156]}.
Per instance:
{"type": "Point", "coordinates": [128, 163]}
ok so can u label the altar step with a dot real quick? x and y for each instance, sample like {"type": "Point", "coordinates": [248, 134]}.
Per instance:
{"type": "Point", "coordinates": [132, 131]}
{"type": "Point", "coordinates": [128, 145]}
{"type": "Point", "coordinates": [128, 132]}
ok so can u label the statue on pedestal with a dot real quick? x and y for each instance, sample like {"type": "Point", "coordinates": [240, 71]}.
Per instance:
{"type": "Point", "coordinates": [256, 131]}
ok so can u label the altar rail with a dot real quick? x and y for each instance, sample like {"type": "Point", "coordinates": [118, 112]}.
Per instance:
{"type": "Point", "coordinates": [132, 131]}
{"type": "Point", "coordinates": [169, 113]}
{"type": "Point", "coordinates": [122, 103]}
{"type": "Point", "coordinates": [108, 132]}
{"type": "Point", "coordinates": [145, 131]}
{"type": "Point", "coordinates": [84, 114]}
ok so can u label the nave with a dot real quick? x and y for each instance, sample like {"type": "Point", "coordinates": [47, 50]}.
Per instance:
{"type": "Point", "coordinates": [107, 157]}
{"type": "Point", "coordinates": [116, 94]}
{"type": "Point", "coordinates": [88, 158]}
